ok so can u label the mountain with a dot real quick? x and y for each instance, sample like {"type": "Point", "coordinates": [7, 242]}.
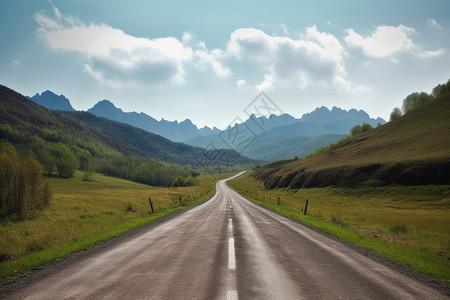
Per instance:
{"type": "Point", "coordinates": [412, 150]}
{"type": "Point", "coordinates": [284, 136]}
{"type": "Point", "coordinates": [23, 121]}
{"type": "Point", "coordinates": [175, 131]}
{"type": "Point", "coordinates": [324, 121]}
{"type": "Point", "coordinates": [52, 101]}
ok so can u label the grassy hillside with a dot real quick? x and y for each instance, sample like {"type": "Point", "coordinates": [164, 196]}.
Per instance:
{"type": "Point", "coordinates": [411, 150]}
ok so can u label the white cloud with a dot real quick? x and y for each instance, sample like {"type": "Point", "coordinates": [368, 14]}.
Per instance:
{"type": "Point", "coordinates": [242, 85]}
{"type": "Point", "coordinates": [427, 54]}
{"type": "Point", "coordinates": [384, 42]}
{"type": "Point", "coordinates": [118, 59]}
{"type": "Point", "coordinates": [387, 41]}
{"type": "Point", "coordinates": [314, 57]}
{"type": "Point", "coordinates": [433, 24]}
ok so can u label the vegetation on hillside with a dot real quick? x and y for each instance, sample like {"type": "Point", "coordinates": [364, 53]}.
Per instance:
{"type": "Point", "coordinates": [412, 150]}
{"type": "Point", "coordinates": [23, 189]}
{"type": "Point", "coordinates": [63, 142]}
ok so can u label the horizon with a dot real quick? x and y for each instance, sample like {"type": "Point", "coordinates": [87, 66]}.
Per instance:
{"type": "Point", "coordinates": [212, 127]}
{"type": "Point", "coordinates": [207, 63]}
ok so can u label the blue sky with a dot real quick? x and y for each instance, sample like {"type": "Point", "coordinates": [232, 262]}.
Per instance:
{"type": "Point", "coordinates": [207, 60]}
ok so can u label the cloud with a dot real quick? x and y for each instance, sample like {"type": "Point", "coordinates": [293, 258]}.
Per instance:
{"type": "Point", "coordinates": [117, 59]}
{"type": "Point", "coordinates": [427, 54]}
{"type": "Point", "coordinates": [384, 42]}
{"type": "Point", "coordinates": [433, 24]}
{"type": "Point", "coordinates": [387, 41]}
{"type": "Point", "coordinates": [312, 58]}
{"type": "Point", "coordinates": [242, 85]}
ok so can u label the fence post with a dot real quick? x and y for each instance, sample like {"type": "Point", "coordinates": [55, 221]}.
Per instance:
{"type": "Point", "coordinates": [306, 207]}
{"type": "Point", "coordinates": [151, 204]}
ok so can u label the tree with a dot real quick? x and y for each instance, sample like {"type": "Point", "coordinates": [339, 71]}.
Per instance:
{"type": "Point", "coordinates": [65, 161]}
{"type": "Point", "coordinates": [441, 89]}
{"type": "Point", "coordinates": [22, 186]}
{"type": "Point", "coordinates": [415, 100]}
{"type": "Point", "coordinates": [358, 129]}
{"type": "Point", "coordinates": [395, 114]}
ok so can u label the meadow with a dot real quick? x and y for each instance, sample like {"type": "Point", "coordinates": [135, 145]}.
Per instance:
{"type": "Point", "coordinates": [87, 209]}
{"type": "Point", "coordinates": [407, 224]}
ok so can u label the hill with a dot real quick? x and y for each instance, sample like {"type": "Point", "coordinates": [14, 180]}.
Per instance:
{"type": "Point", "coordinates": [50, 100]}
{"type": "Point", "coordinates": [23, 121]}
{"type": "Point", "coordinates": [412, 150]}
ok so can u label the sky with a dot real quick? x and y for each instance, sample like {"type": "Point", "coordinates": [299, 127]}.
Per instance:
{"type": "Point", "coordinates": [210, 60]}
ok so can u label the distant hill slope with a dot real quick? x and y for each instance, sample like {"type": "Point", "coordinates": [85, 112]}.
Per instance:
{"type": "Point", "coordinates": [412, 150]}
{"type": "Point", "coordinates": [99, 135]}
{"type": "Point", "coordinates": [273, 147]}
{"type": "Point", "coordinates": [52, 101]}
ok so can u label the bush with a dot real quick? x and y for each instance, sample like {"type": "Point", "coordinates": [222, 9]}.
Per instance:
{"type": "Point", "coordinates": [23, 189]}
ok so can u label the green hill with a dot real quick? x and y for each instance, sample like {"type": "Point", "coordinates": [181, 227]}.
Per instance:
{"type": "Point", "coordinates": [96, 143]}
{"type": "Point", "coordinates": [412, 150]}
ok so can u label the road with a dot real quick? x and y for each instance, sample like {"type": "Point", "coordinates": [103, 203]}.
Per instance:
{"type": "Point", "coordinates": [227, 248]}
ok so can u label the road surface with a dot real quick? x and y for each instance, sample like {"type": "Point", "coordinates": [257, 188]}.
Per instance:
{"type": "Point", "coordinates": [227, 248]}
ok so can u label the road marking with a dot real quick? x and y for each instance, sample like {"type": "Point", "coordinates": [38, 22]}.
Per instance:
{"type": "Point", "coordinates": [231, 255]}
{"type": "Point", "coordinates": [230, 225]}
{"type": "Point", "coordinates": [232, 295]}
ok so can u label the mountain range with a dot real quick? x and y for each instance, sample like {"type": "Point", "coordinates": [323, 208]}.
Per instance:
{"type": "Point", "coordinates": [259, 137]}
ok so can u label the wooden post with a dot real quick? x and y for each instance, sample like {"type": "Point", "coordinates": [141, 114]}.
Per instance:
{"type": "Point", "coordinates": [306, 207]}
{"type": "Point", "coordinates": [179, 200]}
{"type": "Point", "coordinates": [151, 204]}
{"type": "Point", "coordinates": [278, 201]}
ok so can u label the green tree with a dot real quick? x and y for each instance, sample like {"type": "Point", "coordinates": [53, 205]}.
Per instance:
{"type": "Point", "coordinates": [23, 189]}
{"type": "Point", "coordinates": [65, 161]}
{"type": "Point", "coordinates": [415, 100]}
{"type": "Point", "coordinates": [358, 129]}
{"type": "Point", "coordinates": [395, 114]}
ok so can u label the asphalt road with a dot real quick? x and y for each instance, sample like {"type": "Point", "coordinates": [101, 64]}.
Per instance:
{"type": "Point", "coordinates": [228, 248]}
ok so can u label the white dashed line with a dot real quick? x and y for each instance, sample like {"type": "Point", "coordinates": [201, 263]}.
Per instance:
{"type": "Point", "coordinates": [232, 295]}
{"type": "Point", "coordinates": [231, 255]}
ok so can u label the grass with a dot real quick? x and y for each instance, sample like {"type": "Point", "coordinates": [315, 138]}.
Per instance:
{"type": "Point", "coordinates": [83, 213]}
{"type": "Point", "coordinates": [409, 225]}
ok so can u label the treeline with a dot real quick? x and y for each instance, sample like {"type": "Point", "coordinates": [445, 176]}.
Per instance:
{"type": "Point", "coordinates": [143, 170]}
{"type": "Point", "coordinates": [23, 188]}
{"type": "Point", "coordinates": [416, 100]}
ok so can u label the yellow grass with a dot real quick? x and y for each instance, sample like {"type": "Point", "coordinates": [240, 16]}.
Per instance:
{"type": "Point", "coordinates": [417, 217]}
{"type": "Point", "coordinates": [83, 208]}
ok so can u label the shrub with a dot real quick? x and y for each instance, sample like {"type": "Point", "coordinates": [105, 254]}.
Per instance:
{"type": "Point", "coordinates": [23, 189]}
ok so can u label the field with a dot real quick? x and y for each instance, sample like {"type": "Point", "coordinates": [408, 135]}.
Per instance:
{"type": "Point", "coordinates": [85, 210]}
{"type": "Point", "coordinates": [408, 224]}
